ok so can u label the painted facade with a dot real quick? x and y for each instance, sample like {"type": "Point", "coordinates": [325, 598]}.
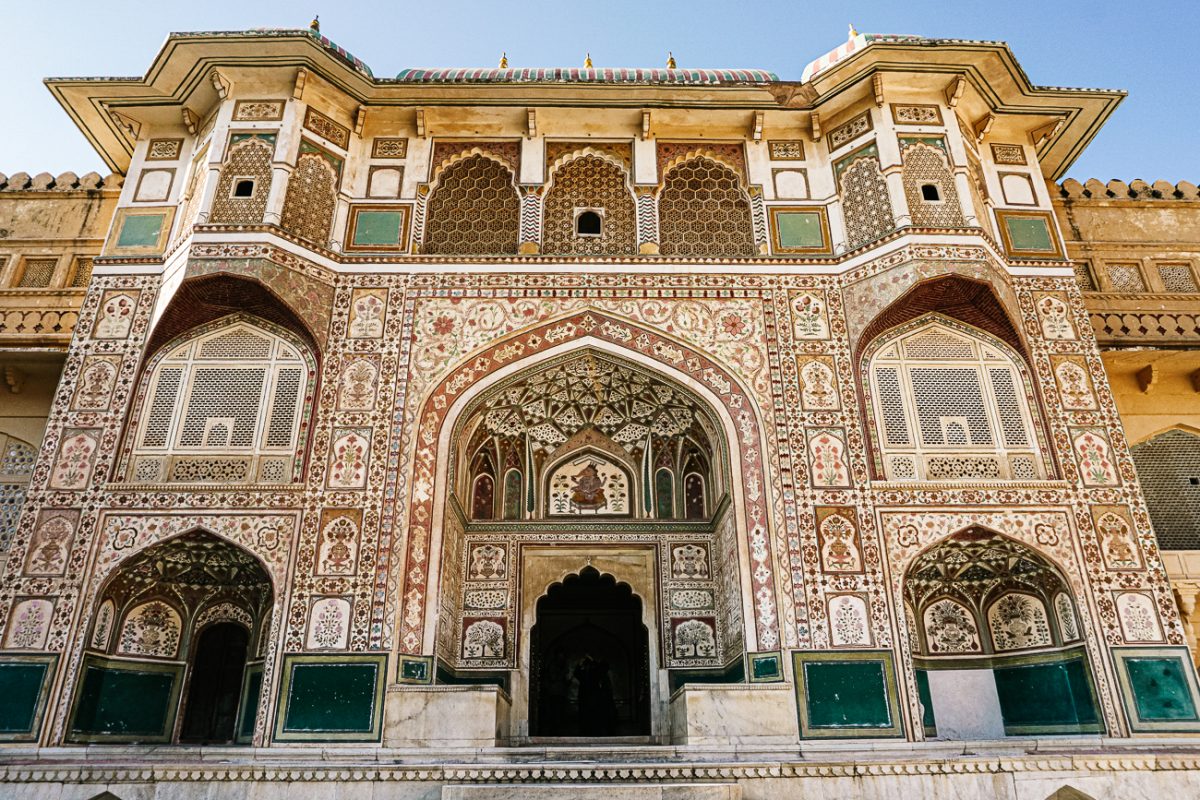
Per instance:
{"type": "Point", "coordinates": [715, 413]}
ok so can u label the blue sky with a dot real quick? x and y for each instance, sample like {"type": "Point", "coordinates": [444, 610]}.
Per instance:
{"type": "Point", "coordinates": [1143, 47]}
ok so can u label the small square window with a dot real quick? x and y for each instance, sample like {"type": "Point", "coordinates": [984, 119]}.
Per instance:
{"type": "Point", "coordinates": [930, 193]}
{"type": "Point", "coordinates": [589, 222]}
{"type": "Point", "coordinates": [243, 188]}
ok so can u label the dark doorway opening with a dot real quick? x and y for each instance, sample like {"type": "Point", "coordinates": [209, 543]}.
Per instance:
{"type": "Point", "coordinates": [590, 660]}
{"type": "Point", "coordinates": [219, 662]}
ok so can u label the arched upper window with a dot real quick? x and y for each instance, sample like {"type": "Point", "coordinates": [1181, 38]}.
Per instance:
{"type": "Point", "coordinates": [1169, 471]}
{"type": "Point", "coordinates": [704, 211]}
{"type": "Point", "coordinates": [16, 467]}
{"type": "Point", "coordinates": [951, 403]}
{"type": "Point", "coordinates": [589, 210]}
{"type": "Point", "coordinates": [224, 406]}
{"type": "Point", "coordinates": [473, 210]}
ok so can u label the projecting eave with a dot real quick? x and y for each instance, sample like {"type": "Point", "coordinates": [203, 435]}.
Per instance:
{"type": "Point", "coordinates": [180, 77]}
{"type": "Point", "coordinates": [995, 85]}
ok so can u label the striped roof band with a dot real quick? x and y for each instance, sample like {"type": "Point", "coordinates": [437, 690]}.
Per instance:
{"type": "Point", "coordinates": [698, 77]}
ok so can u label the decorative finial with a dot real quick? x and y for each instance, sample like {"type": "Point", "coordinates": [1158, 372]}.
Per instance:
{"type": "Point", "coordinates": [504, 61]}
{"type": "Point", "coordinates": [587, 61]}
{"type": "Point", "coordinates": [315, 25]}
{"type": "Point", "coordinates": [853, 32]}
{"type": "Point", "coordinates": [670, 60]}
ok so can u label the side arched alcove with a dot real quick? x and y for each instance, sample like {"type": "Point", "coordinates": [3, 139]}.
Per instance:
{"type": "Point", "coordinates": [580, 453]}
{"type": "Point", "coordinates": [176, 645]}
{"type": "Point", "coordinates": [998, 641]}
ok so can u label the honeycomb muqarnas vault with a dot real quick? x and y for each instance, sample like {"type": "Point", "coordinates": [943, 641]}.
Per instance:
{"type": "Point", "coordinates": [555, 432]}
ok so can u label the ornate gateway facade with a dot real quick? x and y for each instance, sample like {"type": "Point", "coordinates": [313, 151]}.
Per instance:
{"type": "Point", "coordinates": [735, 436]}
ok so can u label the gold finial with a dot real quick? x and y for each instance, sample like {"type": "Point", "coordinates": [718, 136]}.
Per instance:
{"type": "Point", "coordinates": [853, 32]}
{"type": "Point", "coordinates": [670, 60]}
{"type": "Point", "coordinates": [315, 25]}
{"type": "Point", "coordinates": [504, 61]}
{"type": "Point", "coordinates": [587, 61]}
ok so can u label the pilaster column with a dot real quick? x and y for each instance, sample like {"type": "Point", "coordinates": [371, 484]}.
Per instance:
{"type": "Point", "coordinates": [647, 219]}
{"type": "Point", "coordinates": [531, 220]}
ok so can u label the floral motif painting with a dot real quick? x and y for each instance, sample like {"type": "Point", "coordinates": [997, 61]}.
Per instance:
{"type": "Point", "coordinates": [151, 629]}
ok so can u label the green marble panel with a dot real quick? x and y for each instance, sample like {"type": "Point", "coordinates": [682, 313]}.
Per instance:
{"type": "Point", "coordinates": [251, 693]}
{"type": "Point", "coordinates": [332, 698]}
{"type": "Point", "coordinates": [379, 228]}
{"type": "Point", "coordinates": [848, 694]}
{"type": "Point", "coordinates": [1160, 690]}
{"type": "Point", "coordinates": [800, 229]}
{"type": "Point", "coordinates": [141, 230]}
{"type": "Point", "coordinates": [927, 719]}
{"type": "Point", "coordinates": [1029, 233]}
{"type": "Point", "coordinates": [21, 687]}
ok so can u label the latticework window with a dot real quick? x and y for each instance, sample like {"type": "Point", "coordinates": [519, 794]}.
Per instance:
{"type": "Point", "coordinates": [82, 275]}
{"type": "Point", "coordinates": [224, 407]}
{"type": "Point", "coordinates": [594, 184]}
{"type": "Point", "coordinates": [1177, 278]}
{"type": "Point", "coordinates": [952, 405]}
{"type": "Point", "coordinates": [925, 165]}
{"type": "Point", "coordinates": [1169, 471]}
{"type": "Point", "coordinates": [703, 211]}
{"type": "Point", "coordinates": [311, 198]}
{"type": "Point", "coordinates": [1126, 278]}
{"type": "Point", "coordinates": [37, 273]}
{"type": "Point", "coordinates": [474, 210]}
{"type": "Point", "coordinates": [866, 205]}
{"type": "Point", "coordinates": [248, 159]}
{"type": "Point", "coordinates": [16, 467]}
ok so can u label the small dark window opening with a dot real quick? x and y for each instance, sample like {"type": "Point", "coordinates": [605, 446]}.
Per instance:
{"type": "Point", "coordinates": [244, 188]}
{"type": "Point", "coordinates": [930, 193]}
{"type": "Point", "coordinates": [588, 224]}
{"type": "Point", "coordinates": [1194, 481]}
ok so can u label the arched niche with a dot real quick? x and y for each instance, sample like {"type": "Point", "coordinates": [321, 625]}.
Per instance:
{"type": "Point", "coordinates": [1168, 467]}
{"type": "Point", "coordinates": [150, 671]}
{"type": "Point", "coordinates": [996, 641]}
{"type": "Point", "coordinates": [589, 407]}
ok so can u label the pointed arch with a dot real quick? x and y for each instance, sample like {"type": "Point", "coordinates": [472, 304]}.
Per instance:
{"type": "Point", "coordinates": [1168, 467]}
{"type": "Point", "coordinates": [589, 180]}
{"type": "Point", "coordinates": [737, 415]}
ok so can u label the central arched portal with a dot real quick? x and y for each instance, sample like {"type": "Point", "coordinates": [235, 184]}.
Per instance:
{"type": "Point", "coordinates": [590, 660]}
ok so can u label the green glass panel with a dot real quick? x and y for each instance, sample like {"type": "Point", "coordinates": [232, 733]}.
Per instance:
{"type": "Point", "coordinates": [332, 698]}
{"type": "Point", "coordinates": [377, 228]}
{"type": "Point", "coordinates": [124, 702]}
{"type": "Point", "coordinates": [847, 694]}
{"type": "Point", "coordinates": [1027, 233]}
{"type": "Point", "coordinates": [800, 229]}
{"type": "Point", "coordinates": [664, 491]}
{"type": "Point", "coordinates": [512, 494]}
{"type": "Point", "coordinates": [1054, 695]}
{"type": "Point", "coordinates": [927, 719]}
{"type": "Point", "coordinates": [412, 669]}
{"type": "Point", "coordinates": [250, 703]}
{"type": "Point", "coordinates": [20, 685]}
{"type": "Point", "coordinates": [1160, 689]}
{"type": "Point", "coordinates": [141, 230]}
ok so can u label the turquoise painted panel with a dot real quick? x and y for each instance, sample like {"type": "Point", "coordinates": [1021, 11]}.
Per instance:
{"type": "Point", "coordinates": [1160, 689]}
{"type": "Point", "coordinates": [1027, 233]}
{"type": "Point", "coordinates": [125, 702]}
{"type": "Point", "coordinates": [250, 698]}
{"type": "Point", "coordinates": [331, 698]}
{"type": "Point", "coordinates": [141, 230]}
{"type": "Point", "coordinates": [1053, 695]}
{"type": "Point", "coordinates": [377, 228]}
{"type": "Point", "coordinates": [800, 229]}
{"type": "Point", "coordinates": [927, 719]}
{"type": "Point", "coordinates": [847, 694]}
{"type": "Point", "coordinates": [20, 686]}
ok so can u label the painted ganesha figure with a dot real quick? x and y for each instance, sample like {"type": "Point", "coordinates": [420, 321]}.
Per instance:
{"type": "Point", "coordinates": [588, 492]}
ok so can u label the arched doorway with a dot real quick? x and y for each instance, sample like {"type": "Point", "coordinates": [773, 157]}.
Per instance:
{"type": "Point", "coordinates": [215, 686]}
{"type": "Point", "coordinates": [176, 646]}
{"type": "Point", "coordinates": [590, 664]}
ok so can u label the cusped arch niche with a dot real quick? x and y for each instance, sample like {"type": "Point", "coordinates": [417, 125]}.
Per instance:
{"type": "Point", "coordinates": [588, 434]}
